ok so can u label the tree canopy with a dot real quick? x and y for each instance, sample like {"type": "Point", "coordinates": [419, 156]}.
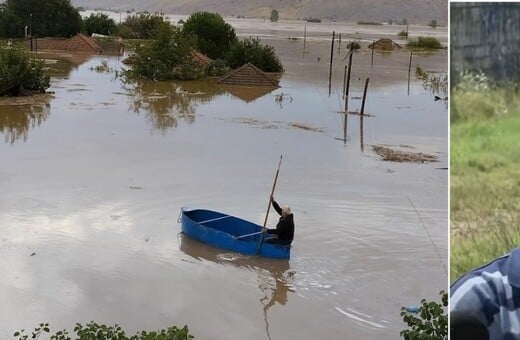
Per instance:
{"type": "Point", "coordinates": [56, 18]}
{"type": "Point", "coordinates": [142, 26]}
{"type": "Point", "coordinates": [21, 73]}
{"type": "Point", "coordinates": [214, 36]}
{"type": "Point", "coordinates": [99, 23]}
{"type": "Point", "coordinates": [251, 51]}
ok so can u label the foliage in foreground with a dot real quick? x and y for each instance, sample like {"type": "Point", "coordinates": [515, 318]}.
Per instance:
{"type": "Point", "coordinates": [431, 322]}
{"type": "Point", "coordinates": [485, 171]}
{"type": "Point", "coordinates": [17, 68]}
{"type": "Point", "coordinates": [94, 331]}
{"type": "Point", "coordinates": [429, 43]}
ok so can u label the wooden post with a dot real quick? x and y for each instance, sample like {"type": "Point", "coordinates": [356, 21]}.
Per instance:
{"type": "Point", "coordinates": [364, 97]}
{"type": "Point", "coordinates": [344, 81]}
{"type": "Point", "coordinates": [345, 127]}
{"type": "Point", "coordinates": [373, 44]}
{"type": "Point", "coordinates": [304, 38]}
{"type": "Point", "coordinates": [331, 58]}
{"type": "Point", "coordinates": [409, 71]}
{"type": "Point", "coordinates": [348, 80]}
{"type": "Point", "coordinates": [407, 32]}
{"type": "Point", "coordinates": [361, 132]}
{"type": "Point", "coordinates": [339, 44]}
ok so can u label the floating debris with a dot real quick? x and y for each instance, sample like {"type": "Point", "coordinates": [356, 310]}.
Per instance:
{"type": "Point", "coordinates": [393, 155]}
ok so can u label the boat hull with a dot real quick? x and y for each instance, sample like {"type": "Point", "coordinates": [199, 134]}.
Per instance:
{"type": "Point", "coordinates": [230, 233]}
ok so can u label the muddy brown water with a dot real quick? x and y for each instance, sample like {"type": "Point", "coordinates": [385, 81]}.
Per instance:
{"type": "Point", "coordinates": [93, 177]}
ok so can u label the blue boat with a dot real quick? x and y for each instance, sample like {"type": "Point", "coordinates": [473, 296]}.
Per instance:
{"type": "Point", "coordinates": [228, 232]}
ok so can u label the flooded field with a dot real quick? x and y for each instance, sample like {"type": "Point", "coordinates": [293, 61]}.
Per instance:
{"type": "Point", "coordinates": [95, 173]}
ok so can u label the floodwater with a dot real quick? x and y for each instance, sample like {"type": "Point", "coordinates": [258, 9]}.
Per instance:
{"type": "Point", "coordinates": [94, 175]}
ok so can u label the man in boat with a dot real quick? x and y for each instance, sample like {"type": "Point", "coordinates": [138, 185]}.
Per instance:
{"type": "Point", "coordinates": [489, 295]}
{"type": "Point", "coordinates": [284, 232]}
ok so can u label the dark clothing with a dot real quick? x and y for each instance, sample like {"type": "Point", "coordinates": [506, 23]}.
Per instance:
{"type": "Point", "coordinates": [284, 229]}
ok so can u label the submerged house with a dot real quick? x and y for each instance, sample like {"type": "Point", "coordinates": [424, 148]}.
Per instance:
{"type": "Point", "coordinates": [79, 43]}
{"type": "Point", "coordinates": [248, 82]}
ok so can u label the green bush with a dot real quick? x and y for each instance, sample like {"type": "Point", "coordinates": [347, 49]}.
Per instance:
{"type": "Point", "coordinates": [99, 23]}
{"type": "Point", "coordinates": [213, 35]}
{"type": "Point", "coordinates": [17, 68]}
{"type": "Point", "coordinates": [274, 16]}
{"type": "Point", "coordinates": [217, 68]}
{"type": "Point", "coordinates": [251, 51]}
{"type": "Point", "coordinates": [353, 46]}
{"type": "Point", "coordinates": [402, 34]}
{"type": "Point", "coordinates": [431, 322]}
{"type": "Point", "coordinates": [424, 43]}
{"type": "Point", "coordinates": [165, 58]}
{"type": "Point", "coordinates": [94, 331]}
{"type": "Point", "coordinates": [142, 26]}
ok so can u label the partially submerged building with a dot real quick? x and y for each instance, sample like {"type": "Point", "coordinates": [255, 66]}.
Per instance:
{"type": "Point", "coordinates": [249, 83]}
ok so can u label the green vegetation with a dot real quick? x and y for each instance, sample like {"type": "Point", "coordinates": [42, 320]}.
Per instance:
{"type": "Point", "coordinates": [428, 43]}
{"type": "Point", "coordinates": [431, 323]}
{"type": "Point", "coordinates": [369, 23]}
{"type": "Point", "coordinates": [94, 331]}
{"type": "Point", "coordinates": [55, 18]}
{"type": "Point", "coordinates": [353, 46]}
{"type": "Point", "coordinates": [165, 58]}
{"type": "Point", "coordinates": [20, 74]}
{"type": "Point", "coordinates": [403, 34]}
{"type": "Point", "coordinates": [99, 23]}
{"type": "Point", "coordinates": [251, 51]}
{"type": "Point", "coordinates": [274, 16]}
{"type": "Point", "coordinates": [213, 35]}
{"type": "Point", "coordinates": [485, 171]}
{"type": "Point", "coordinates": [142, 26]}
{"type": "Point", "coordinates": [433, 23]}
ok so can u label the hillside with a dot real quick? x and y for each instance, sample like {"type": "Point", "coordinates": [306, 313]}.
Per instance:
{"type": "Point", "coordinates": [415, 11]}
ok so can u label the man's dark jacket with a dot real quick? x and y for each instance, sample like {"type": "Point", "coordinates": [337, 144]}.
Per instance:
{"type": "Point", "coordinates": [285, 227]}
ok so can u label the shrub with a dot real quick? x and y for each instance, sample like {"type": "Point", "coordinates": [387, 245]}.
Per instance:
{"type": "Point", "coordinates": [403, 34]}
{"type": "Point", "coordinates": [431, 323]}
{"type": "Point", "coordinates": [213, 35]}
{"type": "Point", "coordinates": [96, 331]}
{"type": "Point", "coordinates": [142, 26]}
{"type": "Point", "coordinates": [217, 68]}
{"type": "Point", "coordinates": [433, 23]}
{"type": "Point", "coordinates": [99, 23]}
{"type": "Point", "coordinates": [17, 69]}
{"type": "Point", "coordinates": [251, 51]}
{"type": "Point", "coordinates": [165, 58]}
{"type": "Point", "coordinates": [274, 16]}
{"type": "Point", "coordinates": [353, 46]}
{"type": "Point", "coordinates": [424, 43]}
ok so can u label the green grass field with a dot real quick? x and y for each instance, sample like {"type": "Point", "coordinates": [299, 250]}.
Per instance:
{"type": "Point", "coordinates": [485, 174]}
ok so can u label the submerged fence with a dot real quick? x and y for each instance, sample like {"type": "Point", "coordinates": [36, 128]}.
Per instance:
{"type": "Point", "coordinates": [485, 37]}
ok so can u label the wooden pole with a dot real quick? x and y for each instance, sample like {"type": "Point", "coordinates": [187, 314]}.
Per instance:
{"type": "Point", "coordinates": [373, 44]}
{"type": "Point", "coordinates": [361, 132]}
{"type": "Point", "coordinates": [407, 32]}
{"type": "Point", "coordinates": [331, 58]}
{"type": "Point", "coordinates": [304, 38]}
{"type": "Point", "coordinates": [364, 97]}
{"type": "Point", "coordinates": [345, 128]}
{"type": "Point", "coordinates": [348, 80]}
{"type": "Point", "coordinates": [344, 81]}
{"type": "Point", "coordinates": [409, 71]}
{"type": "Point", "coordinates": [269, 205]}
{"type": "Point", "coordinates": [339, 44]}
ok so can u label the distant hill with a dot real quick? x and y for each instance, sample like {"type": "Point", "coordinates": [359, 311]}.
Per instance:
{"type": "Point", "coordinates": [415, 11]}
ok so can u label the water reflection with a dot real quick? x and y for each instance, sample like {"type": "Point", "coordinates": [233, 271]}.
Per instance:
{"type": "Point", "coordinates": [165, 103]}
{"type": "Point", "coordinates": [19, 114]}
{"type": "Point", "coordinates": [274, 277]}
{"type": "Point", "coordinates": [249, 93]}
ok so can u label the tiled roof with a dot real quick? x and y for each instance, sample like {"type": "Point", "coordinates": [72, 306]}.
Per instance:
{"type": "Point", "coordinates": [201, 58]}
{"type": "Point", "coordinates": [385, 44]}
{"type": "Point", "coordinates": [90, 42]}
{"type": "Point", "coordinates": [248, 75]}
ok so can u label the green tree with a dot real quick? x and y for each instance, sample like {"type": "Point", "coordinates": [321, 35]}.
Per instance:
{"type": "Point", "coordinates": [431, 322]}
{"type": "Point", "coordinates": [166, 57]}
{"type": "Point", "coordinates": [433, 23]}
{"type": "Point", "coordinates": [214, 36]}
{"type": "Point", "coordinates": [142, 26]}
{"type": "Point", "coordinates": [99, 23]}
{"type": "Point", "coordinates": [56, 18]}
{"type": "Point", "coordinates": [251, 51]}
{"type": "Point", "coordinates": [274, 15]}
{"type": "Point", "coordinates": [18, 70]}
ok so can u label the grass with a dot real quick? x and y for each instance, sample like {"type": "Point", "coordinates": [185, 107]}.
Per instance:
{"type": "Point", "coordinates": [485, 173]}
